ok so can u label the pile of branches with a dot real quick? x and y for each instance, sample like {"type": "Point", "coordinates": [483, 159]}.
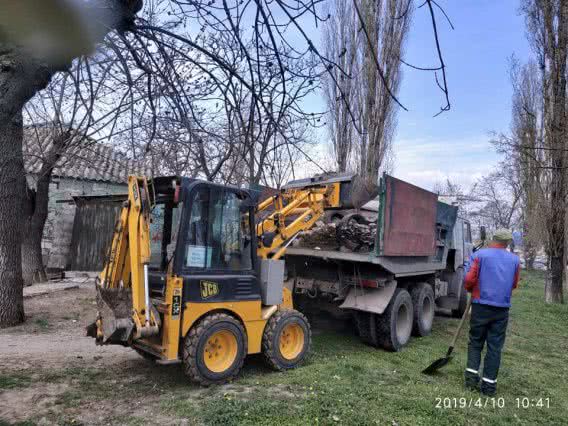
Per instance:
{"type": "Point", "coordinates": [357, 236]}
{"type": "Point", "coordinates": [348, 235]}
{"type": "Point", "coordinates": [322, 236]}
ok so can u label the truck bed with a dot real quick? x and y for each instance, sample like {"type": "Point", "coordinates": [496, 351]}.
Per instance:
{"type": "Point", "coordinates": [408, 239]}
{"type": "Point", "coordinates": [399, 266]}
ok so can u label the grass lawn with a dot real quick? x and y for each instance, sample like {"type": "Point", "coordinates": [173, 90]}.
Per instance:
{"type": "Point", "coordinates": [345, 382]}
{"type": "Point", "coordinates": [348, 383]}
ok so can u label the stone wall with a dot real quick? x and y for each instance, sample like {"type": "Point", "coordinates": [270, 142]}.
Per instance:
{"type": "Point", "coordinates": [58, 230]}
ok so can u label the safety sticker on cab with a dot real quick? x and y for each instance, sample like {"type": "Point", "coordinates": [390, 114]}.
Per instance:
{"type": "Point", "coordinates": [176, 303]}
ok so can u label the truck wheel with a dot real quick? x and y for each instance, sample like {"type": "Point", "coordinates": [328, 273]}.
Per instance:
{"type": "Point", "coordinates": [423, 305]}
{"type": "Point", "coordinates": [333, 217]}
{"type": "Point", "coordinates": [214, 349]}
{"type": "Point", "coordinates": [394, 326]}
{"type": "Point", "coordinates": [366, 327]}
{"type": "Point", "coordinates": [286, 340]}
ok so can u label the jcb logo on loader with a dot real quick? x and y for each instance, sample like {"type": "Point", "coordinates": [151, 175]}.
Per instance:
{"type": "Point", "coordinates": [209, 289]}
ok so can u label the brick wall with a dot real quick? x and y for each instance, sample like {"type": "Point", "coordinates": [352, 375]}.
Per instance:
{"type": "Point", "coordinates": [58, 230]}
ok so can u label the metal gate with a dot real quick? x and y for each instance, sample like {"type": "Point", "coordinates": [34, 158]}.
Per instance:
{"type": "Point", "coordinates": [93, 228]}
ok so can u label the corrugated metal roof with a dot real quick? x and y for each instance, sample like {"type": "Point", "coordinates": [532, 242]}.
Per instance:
{"type": "Point", "coordinates": [84, 158]}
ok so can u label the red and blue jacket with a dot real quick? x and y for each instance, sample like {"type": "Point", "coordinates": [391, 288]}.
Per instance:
{"type": "Point", "coordinates": [491, 276]}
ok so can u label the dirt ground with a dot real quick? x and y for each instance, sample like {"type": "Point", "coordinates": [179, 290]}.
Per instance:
{"type": "Point", "coordinates": [47, 363]}
{"type": "Point", "coordinates": [54, 334]}
{"type": "Point", "coordinates": [51, 373]}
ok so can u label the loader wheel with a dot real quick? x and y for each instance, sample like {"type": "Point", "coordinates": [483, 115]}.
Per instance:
{"type": "Point", "coordinates": [214, 349]}
{"type": "Point", "coordinates": [286, 340]}
{"type": "Point", "coordinates": [394, 325]}
{"type": "Point", "coordinates": [423, 305]}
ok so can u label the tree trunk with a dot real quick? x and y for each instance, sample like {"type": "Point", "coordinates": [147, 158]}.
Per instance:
{"type": "Point", "coordinates": [553, 284]}
{"type": "Point", "coordinates": [11, 204]}
{"type": "Point", "coordinates": [530, 256]}
{"type": "Point", "coordinates": [556, 27]}
{"type": "Point", "coordinates": [21, 76]}
{"type": "Point", "coordinates": [36, 210]}
{"type": "Point", "coordinates": [33, 270]}
{"type": "Point", "coordinates": [529, 263]}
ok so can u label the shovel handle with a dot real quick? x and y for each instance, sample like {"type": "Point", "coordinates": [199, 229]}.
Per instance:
{"type": "Point", "coordinates": [462, 320]}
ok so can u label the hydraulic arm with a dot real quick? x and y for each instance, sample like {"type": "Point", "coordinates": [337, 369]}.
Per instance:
{"type": "Point", "coordinates": [296, 209]}
{"type": "Point", "coordinates": [124, 279]}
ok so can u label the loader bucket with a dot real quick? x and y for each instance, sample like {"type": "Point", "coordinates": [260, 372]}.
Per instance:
{"type": "Point", "coordinates": [362, 191]}
{"type": "Point", "coordinates": [355, 191]}
{"type": "Point", "coordinates": [114, 323]}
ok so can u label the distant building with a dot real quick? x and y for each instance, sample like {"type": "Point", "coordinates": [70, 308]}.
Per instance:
{"type": "Point", "coordinates": [87, 168]}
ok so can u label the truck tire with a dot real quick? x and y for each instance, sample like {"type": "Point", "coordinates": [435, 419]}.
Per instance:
{"type": "Point", "coordinates": [424, 306]}
{"type": "Point", "coordinates": [366, 327]}
{"type": "Point", "coordinates": [286, 340]}
{"type": "Point", "coordinates": [462, 300]}
{"type": "Point", "coordinates": [394, 325]}
{"type": "Point", "coordinates": [354, 216]}
{"type": "Point", "coordinates": [214, 349]}
{"type": "Point", "coordinates": [332, 216]}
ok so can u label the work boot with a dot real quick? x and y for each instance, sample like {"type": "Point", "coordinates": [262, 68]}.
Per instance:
{"type": "Point", "coordinates": [471, 380]}
{"type": "Point", "coordinates": [488, 388]}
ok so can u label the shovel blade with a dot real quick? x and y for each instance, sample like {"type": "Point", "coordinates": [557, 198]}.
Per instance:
{"type": "Point", "coordinates": [436, 365]}
{"type": "Point", "coordinates": [115, 316]}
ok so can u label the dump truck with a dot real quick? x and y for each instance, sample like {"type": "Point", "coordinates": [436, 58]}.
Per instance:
{"type": "Point", "coordinates": [410, 265]}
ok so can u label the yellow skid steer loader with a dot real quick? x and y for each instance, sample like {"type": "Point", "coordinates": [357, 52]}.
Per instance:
{"type": "Point", "coordinates": [211, 289]}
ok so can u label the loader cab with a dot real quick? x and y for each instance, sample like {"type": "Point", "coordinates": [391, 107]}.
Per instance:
{"type": "Point", "coordinates": [205, 233]}
{"type": "Point", "coordinates": [215, 250]}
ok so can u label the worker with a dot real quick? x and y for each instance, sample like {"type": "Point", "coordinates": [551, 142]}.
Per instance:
{"type": "Point", "coordinates": [492, 274]}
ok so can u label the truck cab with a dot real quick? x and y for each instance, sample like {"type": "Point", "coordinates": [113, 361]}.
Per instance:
{"type": "Point", "coordinates": [451, 294]}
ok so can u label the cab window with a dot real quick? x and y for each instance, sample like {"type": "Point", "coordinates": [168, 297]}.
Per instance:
{"type": "Point", "coordinates": [219, 231]}
{"type": "Point", "coordinates": [163, 234]}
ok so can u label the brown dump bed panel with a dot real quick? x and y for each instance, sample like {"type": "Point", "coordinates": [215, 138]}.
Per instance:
{"type": "Point", "coordinates": [409, 220]}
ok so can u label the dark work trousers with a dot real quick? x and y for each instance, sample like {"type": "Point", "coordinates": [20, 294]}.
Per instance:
{"type": "Point", "coordinates": [487, 324]}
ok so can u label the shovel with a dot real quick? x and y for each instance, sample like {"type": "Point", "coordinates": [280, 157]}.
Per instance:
{"type": "Point", "coordinates": [439, 363]}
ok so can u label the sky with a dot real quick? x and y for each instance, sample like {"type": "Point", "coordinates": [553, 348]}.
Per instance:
{"type": "Point", "coordinates": [456, 144]}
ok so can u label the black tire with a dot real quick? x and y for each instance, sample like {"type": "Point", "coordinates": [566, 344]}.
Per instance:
{"type": "Point", "coordinates": [196, 344]}
{"type": "Point", "coordinates": [344, 223]}
{"type": "Point", "coordinates": [462, 299]}
{"type": "Point", "coordinates": [357, 217]}
{"type": "Point", "coordinates": [394, 326]}
{"type": "Point", "coordinates": [366, 327]}
{"type": "Point", "coordinates": [423, 306]}
{"type": "Point", "coordinates": [273, 333]}
{"type": "Point", "coordinates": [333, 217]}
